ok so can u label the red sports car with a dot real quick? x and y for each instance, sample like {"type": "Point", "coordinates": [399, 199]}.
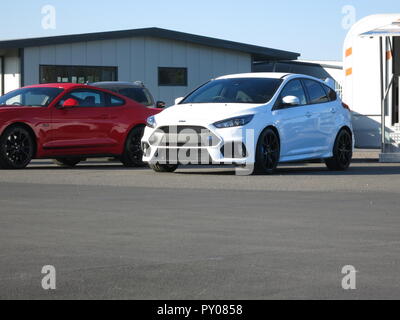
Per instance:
{"type": "Point", "coordinates": [69, 123]}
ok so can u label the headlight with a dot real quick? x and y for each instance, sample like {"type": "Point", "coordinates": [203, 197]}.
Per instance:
{"type": "Point", "coordinates": [234, 122]}
{"type": "Point", "coordinates": [151, 122]}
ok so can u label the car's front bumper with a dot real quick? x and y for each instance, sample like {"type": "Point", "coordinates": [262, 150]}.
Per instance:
{"type": "Point", "coordinates": [226, 146]}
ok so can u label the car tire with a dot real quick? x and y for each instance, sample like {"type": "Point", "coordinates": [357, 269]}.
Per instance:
{"type": "Point", "coordinates": [17, 148]}
{"type": "Point", "coordinates": [133, 153]}
{"type": "Point", "coordinates": [267, 153]}
{"type": "Point", "coordinates": [342, 152]}
{"type": "Point", "coordinates": [67, 162]}
{"type": "Point", "coordinates": [164, 168]}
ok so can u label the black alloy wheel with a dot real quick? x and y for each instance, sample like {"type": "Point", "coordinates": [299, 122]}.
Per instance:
{"type": "Point", "coordinates": [17, 148]}
{"type": "Point", "coordinates": [268, 152]}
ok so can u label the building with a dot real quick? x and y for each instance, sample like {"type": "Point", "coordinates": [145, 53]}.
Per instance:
{"type": "Point", "coordinates": [372, 83]}
{"type": "Point", "coordinates": [170, 63]}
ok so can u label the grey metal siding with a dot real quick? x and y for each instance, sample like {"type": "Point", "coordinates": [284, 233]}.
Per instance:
{"type": "Point", "coordinates": [138, 58]}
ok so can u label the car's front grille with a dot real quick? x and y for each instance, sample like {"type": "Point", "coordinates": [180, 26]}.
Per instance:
{"type": "Point", "coordinates": [183, 156]}
{"type": "Point", "coordinates": [184, 136]}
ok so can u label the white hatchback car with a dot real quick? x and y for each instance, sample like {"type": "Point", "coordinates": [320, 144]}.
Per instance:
{"type": "Point", "coordinates": [255, 120]}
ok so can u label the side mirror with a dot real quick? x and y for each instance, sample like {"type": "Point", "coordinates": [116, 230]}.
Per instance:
{"type": "Point", "coordinates": [160, 104]}
{"type": "Point", "coordinates": [179, 100]}
{"type": "Point", "coordinates": [291, 101]}
{"type": "Point", "coordinates": [70, 103]}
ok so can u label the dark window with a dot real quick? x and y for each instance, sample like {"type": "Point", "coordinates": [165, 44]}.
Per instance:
{"type": "Point", "coordinates": [114, 101]}
{"type": "Point", "coordinates": [238, 90]}
{"type": "Point", "coordinates": [86, 98]}
{"type": "Point", "coordinates": [331, 93]}
{"type": "Point", "coordinates": [77, 74]}
{"type": "Point", "coordinates": [294, 88]}
{"type": "Point", "coordinates": [140, 95]}
{"type": "Point", "coordinates": [173, 77]}
{"type": "Point", "coordinates": [316, 92]}
{"type": "Point", "coordinates": [30, 97]}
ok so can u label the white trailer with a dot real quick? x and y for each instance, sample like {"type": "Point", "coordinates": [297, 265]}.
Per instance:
{"type": "Point", "coordinates": [371, 85]}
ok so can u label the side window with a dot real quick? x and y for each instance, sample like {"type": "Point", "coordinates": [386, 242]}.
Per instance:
{"type": "Point", "coordinates": [113, 101]}
{"type": "Point", "coordinates": [331, 93]}
{"type": "Point", "coordinates": [294, 88]}
{"type": "Point", "coordinates": [316, 92]}
{"type": "Point", "coordinates": [86, 98]}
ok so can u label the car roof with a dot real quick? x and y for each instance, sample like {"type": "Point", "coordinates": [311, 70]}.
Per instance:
{"type": "Point", "coordinates": [65, 86]}
{"type": "Point", "coordinates": [58, 85]}
{"type": "Point", "coordinates": [268, 75]}
{"type": "Point", "coordinates": [272, 75]}
{"type": "Point", "coordinates": [114, 84]}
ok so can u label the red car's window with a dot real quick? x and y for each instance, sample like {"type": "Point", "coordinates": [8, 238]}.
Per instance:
{"type": "Point", "coordinates": [86, 98]}
{"type": "Point", "coordinates": [30, 97]}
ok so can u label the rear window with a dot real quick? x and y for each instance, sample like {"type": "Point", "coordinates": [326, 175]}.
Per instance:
{"type": "Point", "coordinates": [331, 93]}
{"type": "Point", "coordinates": [113, 101]}
{"type": "Point", "coordinates": [316, 92]}
{"type": "Point", "coordinates": [138, 94]}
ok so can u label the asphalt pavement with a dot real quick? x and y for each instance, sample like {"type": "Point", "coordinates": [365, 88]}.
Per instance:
{"type": "Point", "coordinates": [201, 233]}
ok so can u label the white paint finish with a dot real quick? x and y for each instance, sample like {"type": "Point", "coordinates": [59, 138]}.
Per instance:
{"type": "Point", "coordinates": [12, 73]}
{"type": "Point", "coordinates": [139, 58]}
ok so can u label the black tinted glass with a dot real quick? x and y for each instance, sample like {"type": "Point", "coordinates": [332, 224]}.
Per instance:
{"type": "Point", "coordinates": [331, 93]}
{"type": "Point", "coordinates": [137, 94]}
{"type": "Point", "coordinates": [316, 92]}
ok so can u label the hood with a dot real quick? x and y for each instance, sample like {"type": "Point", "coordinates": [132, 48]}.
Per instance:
{"type": "Point", "coordinates": [204, 114]}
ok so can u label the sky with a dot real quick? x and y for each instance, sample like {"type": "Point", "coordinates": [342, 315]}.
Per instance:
{"type": "Point", "coordinates": [316, 29]}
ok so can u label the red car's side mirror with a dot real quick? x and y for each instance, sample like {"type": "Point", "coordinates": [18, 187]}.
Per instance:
{"type": "Point", "coordinates": [70, 103]}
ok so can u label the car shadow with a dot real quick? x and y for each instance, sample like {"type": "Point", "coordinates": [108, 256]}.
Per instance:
{"type": "Point", "coordinates": [302, 170]}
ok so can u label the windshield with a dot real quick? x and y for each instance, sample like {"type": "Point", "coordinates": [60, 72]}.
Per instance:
{"type": "Point", "coordinates": [30, 97]}
{"type": "Point", "coordinates": [242, 90]}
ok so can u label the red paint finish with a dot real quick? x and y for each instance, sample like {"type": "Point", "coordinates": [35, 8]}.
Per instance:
{"type": "Point", "coordinates": [79, 130]}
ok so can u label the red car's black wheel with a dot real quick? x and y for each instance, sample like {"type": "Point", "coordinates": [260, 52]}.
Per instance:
{"type": "Point", "coordinates": [17, 148]}
{"type": "Point", "coordinates": [133, 154]}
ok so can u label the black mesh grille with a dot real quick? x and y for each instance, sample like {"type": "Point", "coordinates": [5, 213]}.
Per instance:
{"type": "Point", "coordinates": [184, 136]}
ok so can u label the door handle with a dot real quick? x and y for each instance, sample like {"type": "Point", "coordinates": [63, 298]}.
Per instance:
{"type": "Point", "coordinates": [308, 114]}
